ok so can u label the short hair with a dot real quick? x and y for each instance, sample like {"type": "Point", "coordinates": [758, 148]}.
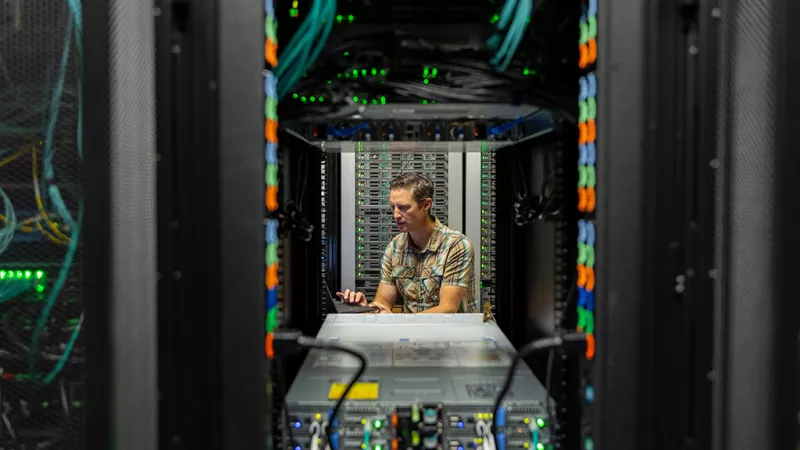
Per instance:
{"type": "Point", "coordinates": [420, 186]}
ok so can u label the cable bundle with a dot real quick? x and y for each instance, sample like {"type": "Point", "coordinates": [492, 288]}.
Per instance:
{"type": "Point", "coordinates": [504, 52]}
{"type": "Point", "coordinates": [306, 45]}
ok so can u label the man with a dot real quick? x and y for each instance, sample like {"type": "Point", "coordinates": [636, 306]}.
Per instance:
{"type": "Point", "coordinates": [428, 265]}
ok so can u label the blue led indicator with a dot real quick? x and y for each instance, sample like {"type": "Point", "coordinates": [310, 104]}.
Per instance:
{"type": "Point", "coordinates": [460, 424]}
{"type": "Point", "coordinates": [297, 425]}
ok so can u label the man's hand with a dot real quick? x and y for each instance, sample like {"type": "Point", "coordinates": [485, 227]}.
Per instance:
{"type": "Point", "coordinates": [353, 297]}
{"type": "Point", "coordinates": [358, 298]}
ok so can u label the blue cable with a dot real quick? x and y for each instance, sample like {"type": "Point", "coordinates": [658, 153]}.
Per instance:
{"type": "Point", "coordinates": [592, 7]}
{"type": "Point", "coordinates": [347, 132]}
{"type": "Point", "coordinates": [502, 128]}
{"type": "Point", "coordinates": [583, 154]}
{"type": "Point", "coordinates": [65, 354]}
{"type": "Point", "coordinates": [56, 289]}
{"type": "Point", "coordinates": [581, 231]}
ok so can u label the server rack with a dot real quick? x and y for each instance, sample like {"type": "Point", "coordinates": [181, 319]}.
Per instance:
{"type": "Point", "coordinates": [211, 212]}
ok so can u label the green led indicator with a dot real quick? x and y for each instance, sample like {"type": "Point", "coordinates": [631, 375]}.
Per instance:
{"type": "Point", "coordinates": [339, 18]}
{"type": "Point", "coordinates": [425, 102]}
{"type": "Point", "coordinates": [383, 100]}
{"type": "Point", "coordinates": [374, 71]}
{"type": "Point", "coordinates": [539, 446]}
{"type": "Point", "coordinates": [350, 18]}
{"type": "Point", "coordinates": [364, 101]}
{"type": "Point", "coordinates": [39, 288]}
{"type": "Point", "coordinates": [377, 425]}
{"type": "Point", "coordinates": [495, 18]}
{"type": "Point", "coordinates": [540, 422]}
{"type": "Point", "coordinates": [2, 274]}
{"type": "Point", "coordinates": [383, 71]}
{"type": "Point", "coordinates": [426, 81]}
{"type": "Point", "coordinates": [338, 75]}
{"type": "Point", "coordinates": [295, 96]}
{"type": "Point", "coordinates": [19, 274]}
{"type": "Point", "coordinates": [526, 71]}
{"type": "Point", "coordinates": [377, 447]}
{"type": "Point", "coordinates": [346, 53]}
{"type": "Point", "coordinates": [355, 72]}
{"type": "Point", "coordinates": [321, 98]}
{"type": "Point", "coordinates": [330, 81]}
{"type": "Point", "coordinates": [313, 99]}
{"type": "Point", "coordinates": [303, 99]}
{"type": "Point", "coordinates": [425, 72]}
{"type": "Point", "coordinates": [434, 72]}
{"type": "Point", "coordinates": [355, 99]}
{"type": "Point", "coordinates": [363, 71]}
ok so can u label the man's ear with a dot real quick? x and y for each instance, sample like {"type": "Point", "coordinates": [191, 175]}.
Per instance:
{"type": "Point", "coordinates": [427, 205]}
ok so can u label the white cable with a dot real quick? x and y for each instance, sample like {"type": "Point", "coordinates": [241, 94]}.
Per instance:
{"type": "Point", "coordinates": [484, 431]}
{"type": "Point", "coordinates": [315, 429]}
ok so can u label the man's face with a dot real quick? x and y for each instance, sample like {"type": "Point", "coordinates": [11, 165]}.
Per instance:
{"type": "Point", "coordinates": [408, 214]}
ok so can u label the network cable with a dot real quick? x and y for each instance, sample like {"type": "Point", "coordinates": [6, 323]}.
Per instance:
{"type": "Point", "coordinates": [287, 342]}
{"type": "Point", "coordinates": [299, 55]}
{"type": "Point", "coordinates": [505, 50]}
{"type": "Point", "coordinates": [530, 348]}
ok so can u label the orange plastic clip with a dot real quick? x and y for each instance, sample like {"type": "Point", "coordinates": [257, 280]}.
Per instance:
{"type": "Point", "coordinates": [583, 60]}
{"type": "Point", "coordinates": [272, 198]}
{"type": "Point", "coordinates": [590, 347]}
{"type": "Point", "coordinates": [592, 51]}
{"type": "Point", "coordinates": [591, 131]}
{"type": "Point", "coordinates": [581, 275]}
{"type": "Point", "coordinates": [271, 53]}
{"type": "Point", "coordinates": [271, 131]}
{"type": "Point", "coordinates": [270, 351]}
{"type": "Point", "coordinates": [582, 199]}
{"type": "Point", "coordinates": [272, 276]}
{"type": "Point", "coordinates": [590, 199]}
{"type": "Point", "coordinates": [589, 279]}
{"type": "Point", "coordinates": [583, 133]}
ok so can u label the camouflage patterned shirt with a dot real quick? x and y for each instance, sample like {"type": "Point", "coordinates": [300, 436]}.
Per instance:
{"type": "Point", "coordinates": [447, 260]}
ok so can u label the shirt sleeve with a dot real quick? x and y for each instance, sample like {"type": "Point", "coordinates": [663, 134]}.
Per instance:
{"type": "Point", "coordinates": [386, 264]}
{"type": "Point", "coordinates": [459, 264]}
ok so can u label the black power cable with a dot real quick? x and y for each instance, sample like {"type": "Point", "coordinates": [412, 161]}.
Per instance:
{"type": "Point", "coordinates": [577, 339]}
{"type": "Point", "coordinates": [287, 342]}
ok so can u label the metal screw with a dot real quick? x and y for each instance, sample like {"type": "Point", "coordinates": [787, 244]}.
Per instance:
{"type": "Point", "coordinates": [176, 49]}
{"type": "Point", "coordinates": [716, 13]}
{"type": "Point", "coordinates": [714, 163]}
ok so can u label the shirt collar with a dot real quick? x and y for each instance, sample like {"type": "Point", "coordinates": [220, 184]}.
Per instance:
{"type": "Point", "coordinates": [434, 240]}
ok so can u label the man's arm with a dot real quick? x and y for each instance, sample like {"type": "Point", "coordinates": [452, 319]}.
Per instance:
{"type": "Point", "coordinates": [458, 274]}
{"type": "Point", "coordinates": [386, 296]}
{"type": "Point", "coordinates": [387, 291]}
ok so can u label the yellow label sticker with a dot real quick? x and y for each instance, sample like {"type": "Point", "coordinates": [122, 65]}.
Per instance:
{"type": "Point", "coordinates": [360, 391]}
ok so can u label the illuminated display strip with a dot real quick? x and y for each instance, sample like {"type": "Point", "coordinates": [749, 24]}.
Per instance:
{"type": "Point", "coordinates": [14, 281]}
{"type": "Point", "coordinates": [271, 176]}
{"type": "Point", "coordinates": [587, 180]}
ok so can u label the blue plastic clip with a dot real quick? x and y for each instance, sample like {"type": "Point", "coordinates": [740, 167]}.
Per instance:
{"type": "Point", "coordinates": [590, 233]}
{"type": "Point", "coordinates": [584, 93]}
{"type": "Point", "coordinates": [592, 79]}
{"type": "Point", "coordinates": [581, 231]}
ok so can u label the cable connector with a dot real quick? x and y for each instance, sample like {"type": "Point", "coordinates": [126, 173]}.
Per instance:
{"type": "Point", "coordinates": [290, 342]}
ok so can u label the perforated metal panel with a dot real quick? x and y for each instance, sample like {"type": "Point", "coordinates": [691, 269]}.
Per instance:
{"type": "Point", "coordinates": [746, 135]}
{"type": "Point", "coordinates": [133, 221]}
{"type": "Point", "coordinates": [41, 298]}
